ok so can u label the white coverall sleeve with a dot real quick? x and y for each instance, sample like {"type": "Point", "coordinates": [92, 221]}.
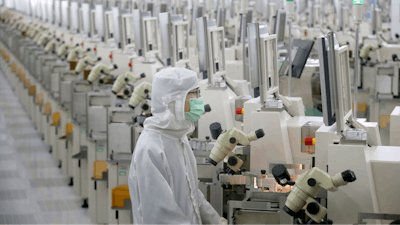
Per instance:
{"type": "Point", "coordinates": [208, 213]}
{"type": "Point", "coordinates": [157, 203]}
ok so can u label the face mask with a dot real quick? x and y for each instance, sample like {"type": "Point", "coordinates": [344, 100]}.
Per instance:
{"type": "Point", "coordinates": [196, 109]}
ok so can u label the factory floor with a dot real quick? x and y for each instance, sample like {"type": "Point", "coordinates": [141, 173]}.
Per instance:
{"type": "Point", "coordinates": [32, 188]}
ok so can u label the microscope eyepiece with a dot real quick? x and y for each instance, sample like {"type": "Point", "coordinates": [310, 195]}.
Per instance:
{"type": "Point", "coordinates": [289, 211]}
{"type": "Point", "coordinates": [216, 130]}
{"type": "Point", "coordinates": [280, 174]}
{"type": "Point", "coordinates": [260, 133]}
{"type": "Point", "coordinates": [349, 176]}
{"type": "Point", "coordinates": [207, 108]}
{"type": "Point", "coordinates": [212, 161]}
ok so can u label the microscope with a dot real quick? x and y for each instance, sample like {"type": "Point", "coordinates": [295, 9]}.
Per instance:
{"type": "Point", "coordinates": [227, 141]}
{"type": "Point", "coordinates": [43, 39]}
{"type": "Point", "coordinates": [306, 187]}
{"type": "Point", "coordinates": [98, 70]}
{"type": "Point", "coordinates": [51, 45]}
{"type": "Point", "coordinates": [139, 96]}
{"type": "Point", "coordinates": [85, 62]}
{"type": "Point", "coordinates": [123, 80]}
{"type": "Point", "coordinates": [64, 48]}
{"type": "Point", "coordinates": [74, 53]}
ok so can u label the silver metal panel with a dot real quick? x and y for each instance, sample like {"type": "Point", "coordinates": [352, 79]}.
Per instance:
{"type": "Point", "coordinates": [86, 18]}
{"type": "Point", "coordinates": [165, 28]}
{"type": "Point", "coordinates": [100, 20]}
{"type": "Point", "coordinates": [122, 117]}
{"type": "Point", "coordinates": [78, 107]}
{"type": "Point", "coordinates": [202, 43]}
{"type": "Point", "coordinates": [54, 84]}
{"type": "Point", "coordinates": [65, 92]}
{"type": "Point", "coordinates": [65, 14]}
{"type": "Point", "coordinates": [138, 29]}
{"type": "Point", "coordinates": [50, 11]}
{"type": "Point", "coordinates": [383, 84]}
{"type": "Point", "coordinates": [254, 56]}
{"type": "Point", "coordinates": [119, 138]}
{"type": "Point", "coordinates": [57, 10]}
{"type": "Point", "coordinates": [96, 120]}
{"type": "Point", "coordinates": [74, 12]}
{"type": "Point", "coordinates": [117, 30]}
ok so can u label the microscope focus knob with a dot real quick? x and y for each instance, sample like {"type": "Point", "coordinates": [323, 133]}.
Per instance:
{"type": "Point", "coordinates": [263, 171]}
{"type": "Point", "coordinates": [312, 182]}
{"type": "Point", "coordinates": [232, 161]}
{"type": "Point", "coordinates": [232, 140]}
{"type": "Point", "coordinates": [146, 91]}
{"type": "Point", "coordinates": [394, 57]}
{"type": "Point", "coordinates": [126, 79]}
{"type": "Point", "coordinates": [313, 208]}
{"type": "Point", "coordinates": [145, 107]}
{"type": "Point", "coordinates": [142, 75]}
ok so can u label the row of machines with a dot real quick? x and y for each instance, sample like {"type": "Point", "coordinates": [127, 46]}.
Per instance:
{"type": "Point", "coordinates": [83, 73]}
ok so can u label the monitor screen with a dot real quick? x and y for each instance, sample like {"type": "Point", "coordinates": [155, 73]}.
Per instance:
{"type": "Point", "coordinates": [301, 50]}
{"type": "Point", "coordinates": [279, 27]}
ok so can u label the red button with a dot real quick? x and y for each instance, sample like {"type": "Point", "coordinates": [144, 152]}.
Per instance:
{"type": "Point", "coordinates": [94, 49]}
{"type": "Point", "coordinates": [111, 56]}
{"type": "Point", "coordinates": [308, 141]}
{"type": "Point", "coordinates": [82, 43]}
{"type": "Point", "coordinates": [130, 64]}
{"type": "Point", "coordinates": [239, 110]}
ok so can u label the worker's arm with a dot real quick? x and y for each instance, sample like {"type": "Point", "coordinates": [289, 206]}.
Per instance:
{"type": "Point", "coordinates": [152, 197]}
{"type": "Point", "coordinates": [208, 213]}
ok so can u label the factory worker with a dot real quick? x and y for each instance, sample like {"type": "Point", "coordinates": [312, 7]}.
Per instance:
{"type": "Point", "coordinates": [163, 182]}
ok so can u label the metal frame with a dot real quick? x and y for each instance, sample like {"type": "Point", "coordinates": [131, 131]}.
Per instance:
{"type": "Point", "coordinates": [149, 25]}
{"type": "Point", "coordinates": [93, 27]}
{"type": "Point", "coordinates": [108, 26]}
{"type": "Point", "coordinates": [345, 111]}
{"type": "Point", "coordinates": [50, 11]}
{"type": "Point", "coordinates": [263, 62]}
{"type": "Point", "coordinates": [127, 37]}
{"type": "Point", "coordinates": [175, 41]}
{"type": "Point", "coordinates": [326, 89]}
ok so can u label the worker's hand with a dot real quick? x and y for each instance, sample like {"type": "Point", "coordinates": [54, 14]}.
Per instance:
{"type": "Point", "coordinates": [223, 221]}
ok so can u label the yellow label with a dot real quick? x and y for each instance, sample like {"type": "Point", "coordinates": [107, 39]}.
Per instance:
{"type": "Point", "coordinates": [56, 118]}
{"type": "Point", "coordinates": [47, 108]}
{"type": "Point", "coordinates": [32, 90]}
{"type": "Point", "coordinates": [39, 99]}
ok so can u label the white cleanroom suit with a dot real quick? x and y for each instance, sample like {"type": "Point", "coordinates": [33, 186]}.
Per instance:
{"type": "Point", "coordinates": [163, 174]}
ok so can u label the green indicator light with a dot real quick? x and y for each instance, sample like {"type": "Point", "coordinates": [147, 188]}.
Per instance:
{"type": "Point", "coordinates": [358, 2]}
